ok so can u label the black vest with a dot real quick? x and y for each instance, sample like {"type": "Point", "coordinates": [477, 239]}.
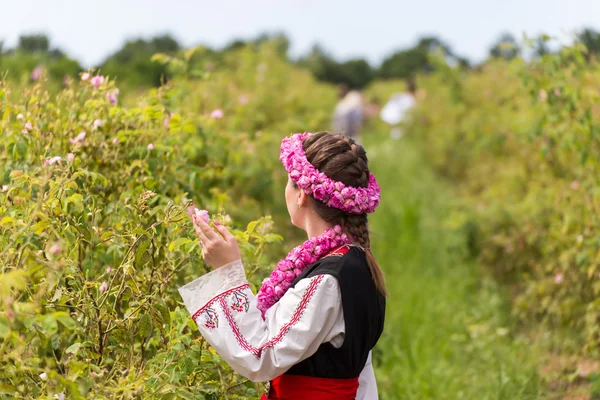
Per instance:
{"type": "Point", "coordinates": [364, 313]}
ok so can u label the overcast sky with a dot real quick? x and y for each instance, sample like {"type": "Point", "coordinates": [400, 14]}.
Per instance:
{"type": "Point", "coordinates": [89, 30]}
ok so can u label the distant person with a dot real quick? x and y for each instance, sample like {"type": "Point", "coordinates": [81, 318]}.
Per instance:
{"type": "Point", "coordinates": [349, 114]}
{"type": "Point", "coordinates": [397, 109]}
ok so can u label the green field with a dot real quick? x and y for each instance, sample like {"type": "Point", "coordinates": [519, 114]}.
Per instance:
{"type": "Point", "coordinates": [447, 334]}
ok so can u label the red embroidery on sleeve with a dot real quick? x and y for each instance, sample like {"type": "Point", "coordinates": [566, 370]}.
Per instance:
{"type": "Point", "coordinates": [312, 287]}
{"type": "Point", "coordinates": [297, 314]}
{"type": "Point", "coordinates": [217, 298]}
{"type": "Point", "coordinates": [212, 318]}
{"type": "Point", "coordinates": [240, 301]}
{"type": "Point", "coordinates": [236, 331]}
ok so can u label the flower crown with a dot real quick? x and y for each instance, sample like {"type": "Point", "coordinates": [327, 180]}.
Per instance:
{"type": "Point", "coordinates": [353, 200]}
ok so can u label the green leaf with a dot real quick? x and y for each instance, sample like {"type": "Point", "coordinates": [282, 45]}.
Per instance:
{"type": "Point", "coordinates": [49, 324]}
{"type": "Point", "coordinates": [73, 349]}
{"type": "Point", "coordinates": [178, 243]}
{"type": "Point", "coordinates": [14, 279]}
{"type": "Point", "coordinates": [106, 235]}
{"type": "Point", "coordinates": [43, 338]}
{"type": "Point", "coordinates": [22, 148]}
{"type": "Point", "coordinates": [185, 395]}
{"type": "Point", "coordinates": [77, 200]}
{"type": "Point", "coordinates": [7, 389]}
{"type": "Point", "coordinates": [57, 294]}
{"type": "Point", "coordinates": [145, 324]}
{"type": "Point", "coordinates": [4, 327]}
{"type": "Point", "coordinates": [40, 226]}
{"type": "Point", "coordinates": [273, 238]}
{"type": "Point", "coordinates": [141, 250]}
{"type": "Point", "coordinates": [251, 227]}
{"type": "Point", "coordinates": [163, 313]}
{"type": "Point", "coordinates": [65, 319]}
{"type": "Point", "coordinates": [139, 231]}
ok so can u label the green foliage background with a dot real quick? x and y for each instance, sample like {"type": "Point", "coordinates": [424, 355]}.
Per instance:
{"type": "Point", "coordinates": [94, 248]}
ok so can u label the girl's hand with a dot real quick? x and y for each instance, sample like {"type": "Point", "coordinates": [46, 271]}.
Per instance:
{"type": "Point", "coordinates": [218, 248]}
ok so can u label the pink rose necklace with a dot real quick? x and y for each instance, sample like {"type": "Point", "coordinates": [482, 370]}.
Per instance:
{"type": "Point", "coordinates": [288, 269]}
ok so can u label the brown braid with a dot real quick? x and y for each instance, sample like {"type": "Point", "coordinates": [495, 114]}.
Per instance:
{"type": "Point", "coordinates": [341, 159]}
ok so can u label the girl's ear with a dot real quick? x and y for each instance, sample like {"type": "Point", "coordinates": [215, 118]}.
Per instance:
{"type": "Point", "coordinates": [302, 198]}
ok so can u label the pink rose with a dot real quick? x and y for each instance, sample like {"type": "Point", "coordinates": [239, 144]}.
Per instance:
{"type": "Point", "coordinates": [79, 138]}
{"type": "Point", "coordinates": [320, 192]}
{"type": "Point", "coordinates": [277, 276]}
{"type": "Point", "coordinates": [151, 147]}
{"type": "Point", "coordinates": [97, 81]}
{"type": "Point", "coordinates": [574, 185]}
{"type": "Point", "coordinates": [112, 97]}
{"type": "Point", "coordinates": [70, 157]}
{"type": "Point", "coordinates": [303, 182]}
{"type": "Point", "coordinates": [217, 114]}
{"type": "Point", "coordinates": [337, 200]}
{"type": "Point", "coordinates": [290, 276]}
{"type": "Point", "coordinates": [103, 287]}
{"type": "Point", "coordinates": [202, 214]}
{"type": "Point", "coordinates": [167, 120]}
{"type": "Point", "coordinates": [269, 291]}
{"type": "Point", "coordinates": [287, 265]}
{"type": "Point", "coordinates": [294, 253]}
{"type": "Point", "coordinates": [52, 160]}
{"type": "Point", "coordinates": [115, 140]}
{"type": "Point", "coordinates": [306, 258]}
{"type": "Point", "coordinates": [55, 249]}
{"type": "Point", "coordinates": [279, 291]}
{"type": "Point", "coordinates": [347, 193]}
{"type": "Point", "coordinates": [559, 278]}
{"type": "Point", "coordinates": [85, 76]}
{"type": "Point", "coordinates": [36, 74]}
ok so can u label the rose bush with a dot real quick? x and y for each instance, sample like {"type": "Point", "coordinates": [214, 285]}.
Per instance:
{"type": "Point", "coordinates": [520, 142]}
{"type": "Point", "coordinates": [95, 235]}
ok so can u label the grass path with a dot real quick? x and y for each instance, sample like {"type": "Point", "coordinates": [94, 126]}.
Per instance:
{"type": "Point", "coordinates": [448, 334]}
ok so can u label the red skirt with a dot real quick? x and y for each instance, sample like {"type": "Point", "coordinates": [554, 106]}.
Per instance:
{"type": "Point", "coordinates": [297, 387]}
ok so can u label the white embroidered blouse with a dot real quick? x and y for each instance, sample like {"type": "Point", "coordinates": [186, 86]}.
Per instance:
{"type": "Point", "coordinates": [308, 315]}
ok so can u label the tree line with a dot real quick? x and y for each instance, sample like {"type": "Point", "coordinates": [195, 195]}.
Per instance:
{"type": "Point", "coordinates": [132, 62]}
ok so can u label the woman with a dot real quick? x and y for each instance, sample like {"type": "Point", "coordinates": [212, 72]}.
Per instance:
{"type": "Point", "coordinates": [348, 114]}
{"type": "Point", "coordinates": [311, 328]}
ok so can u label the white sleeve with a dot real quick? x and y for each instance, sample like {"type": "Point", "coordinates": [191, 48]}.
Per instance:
{"type": "Point", "coordinates": [367, 386]}
{"type": "Point", "coordinates": [224, 309]}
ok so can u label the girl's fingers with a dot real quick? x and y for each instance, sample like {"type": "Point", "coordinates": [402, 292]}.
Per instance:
{"type": "Point", "coordinates": [224, 232]}
{"type": "Point", "coordinates": [206, 229]}
{"type": "Point", "coordinates": [199, 231]}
